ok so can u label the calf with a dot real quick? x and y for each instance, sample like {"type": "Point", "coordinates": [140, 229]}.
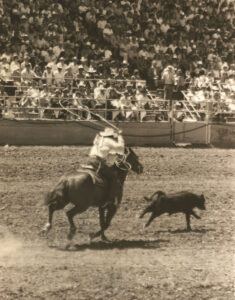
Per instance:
{"type": "Point", "coordinates": [174, 203]}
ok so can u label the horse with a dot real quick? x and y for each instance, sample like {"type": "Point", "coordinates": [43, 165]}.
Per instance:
{"type": "Point", "coordinates": [80, 190]}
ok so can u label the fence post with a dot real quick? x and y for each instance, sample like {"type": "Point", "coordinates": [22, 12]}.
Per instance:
{"type": "Point", "coordinates": [172, 120]}
{"type": "Point", "coordinates": [209, 112]}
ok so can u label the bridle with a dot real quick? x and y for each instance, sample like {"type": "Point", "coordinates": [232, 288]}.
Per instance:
{"type": "Point", "coordinates": [121, 162]}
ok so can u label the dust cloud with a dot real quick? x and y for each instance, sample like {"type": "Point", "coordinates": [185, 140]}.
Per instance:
{"type": "Point", "coordinates": [10, 247]}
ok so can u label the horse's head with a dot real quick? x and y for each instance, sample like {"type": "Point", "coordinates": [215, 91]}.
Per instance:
{"type": "Point", "coordinates": [130, 161]}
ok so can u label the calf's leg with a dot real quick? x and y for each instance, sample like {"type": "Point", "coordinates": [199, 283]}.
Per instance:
{"type": "Point", "coordinates": [195, 215]}
{"type": "Point", "coordinates": [152, 217]}
{"type": "Point", "coordinates": [147, 209]}
{"type": "Point", "coordinates": [188, 221]}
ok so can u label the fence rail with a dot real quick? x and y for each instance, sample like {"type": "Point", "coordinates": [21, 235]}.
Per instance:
{"type": "Point", "coordinates": [16, 103]}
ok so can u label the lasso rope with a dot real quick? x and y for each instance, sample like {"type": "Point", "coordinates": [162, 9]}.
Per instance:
{"type": "Point", "coordinates": [122, 160]}
{"type": "Point", "coordinates": [90, 112]}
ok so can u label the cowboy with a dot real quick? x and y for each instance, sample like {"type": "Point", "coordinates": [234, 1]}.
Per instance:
{"type": "Point", "coordinates": [168, 77]}
{"type": "Point", "coordinates": [107, 146]}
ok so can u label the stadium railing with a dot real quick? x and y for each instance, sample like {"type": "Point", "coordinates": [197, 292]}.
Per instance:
{"type": "Point", "coordinates": [157, 109]}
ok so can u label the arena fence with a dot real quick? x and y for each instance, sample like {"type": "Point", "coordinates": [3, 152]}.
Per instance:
{"type": "Point", "coordinates": [48, 102]}
{"type": "Point", "coordinates": [35, 98]}
{"type": "Point", "coordinates": [34, 120]}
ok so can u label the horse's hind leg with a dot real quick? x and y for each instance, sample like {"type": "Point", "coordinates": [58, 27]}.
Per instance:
{"type": "Point", "coordinates": [70, 214]}
{"type": "Point", "coordinates": [51, 209]}
{"type": "Point", "coordinates": [48, 225]}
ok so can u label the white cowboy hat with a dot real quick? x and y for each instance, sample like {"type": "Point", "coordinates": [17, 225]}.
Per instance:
{"type": "Point", "coordinates": [81, 84]}
{"type": "Point", "coordinates": [108, 131]}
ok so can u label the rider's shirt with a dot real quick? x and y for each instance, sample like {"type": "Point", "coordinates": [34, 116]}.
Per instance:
{"type": "Point", "coordinates": [107, 147]}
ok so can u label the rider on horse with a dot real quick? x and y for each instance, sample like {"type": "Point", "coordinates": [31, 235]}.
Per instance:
{"type": "Point", "coordinates": [107, 146]}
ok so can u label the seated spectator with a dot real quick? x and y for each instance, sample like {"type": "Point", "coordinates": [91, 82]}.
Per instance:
{"type": "Point", "coordinates": [100, 96]}
{"type": "Point", "coordinates": [59, 75]}
{"type": "Point", "coordinates": [74, 66]}
{"type": "Point", "coordinates": [27, 75]}
{"type": "Point", "coordinates": [44, 96]}
{"type": "Point", "coordinates": [47, 75]}
{"type": "Point", "coordinates": [83, 98]}
{"type": "Point", "coordinates": [84, 64]}
{"type": "Point", "coordinates": [31, 96]}
{"type": "Point", "coordinates": [79, 99]}
{"type": "Point", "coordinates": [14, 65]}
{"type": "Point", "coordinates": [68, 76]}
{"type": "Point", "coordinates": [97, 89]}
{"type": "Point", "coordinates": [25, 62]}
{"type": "Point", "coordinates": [3, 61]}
{"type": "Point", "coordinates": [62, 64]}
{"type": "Point", "coordinates": [5, 74]}
{"type": "Point", "coordinates": [16, 77]}
{"type": "Point", "coordinates": [81, 73]}
{"type": "Point", "coordinates": [55, 103]}
{"type": "Point", "coordinates": [119, 106]}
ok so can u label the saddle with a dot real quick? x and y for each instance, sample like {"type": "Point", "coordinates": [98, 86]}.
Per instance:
{"type": "Point", "coordinates": [92, 172]}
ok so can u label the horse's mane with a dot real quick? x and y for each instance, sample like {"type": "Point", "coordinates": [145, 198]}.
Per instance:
{"type": "Point", "coordinates": [129, 149]}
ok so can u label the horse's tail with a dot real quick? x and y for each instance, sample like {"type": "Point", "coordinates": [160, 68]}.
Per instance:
{"type": "Point", "coordinates": [57, 194]}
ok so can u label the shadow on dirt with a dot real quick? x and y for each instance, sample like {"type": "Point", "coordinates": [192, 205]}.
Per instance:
{"type": "Point", "coordinates": [121, 244]}
{"type": "Point", "coordinates": [202, 230]}
{"type": "Point", "coordinates": [117, 244]}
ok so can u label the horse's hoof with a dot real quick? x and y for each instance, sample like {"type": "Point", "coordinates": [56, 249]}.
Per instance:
{"type": "Point", "coordinates": [45, 230]}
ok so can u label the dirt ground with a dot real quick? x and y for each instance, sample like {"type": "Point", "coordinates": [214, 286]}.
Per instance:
{"type": "Point", "coordinates": [160, 262]}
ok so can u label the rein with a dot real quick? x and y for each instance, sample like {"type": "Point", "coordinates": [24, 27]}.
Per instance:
{"type": "Point", "coordinates": [122, 161]}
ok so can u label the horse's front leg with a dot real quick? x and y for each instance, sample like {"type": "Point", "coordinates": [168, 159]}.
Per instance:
{"type": "Point", "coordinates": [105, 220]}
{"type": "Point", "coordinates": [111, 211]}
{"type": "Point", "coordinates": [102, 224]}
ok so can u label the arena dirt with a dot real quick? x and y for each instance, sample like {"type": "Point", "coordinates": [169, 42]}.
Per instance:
{"type": "Point", "coordinates": [160, 262]}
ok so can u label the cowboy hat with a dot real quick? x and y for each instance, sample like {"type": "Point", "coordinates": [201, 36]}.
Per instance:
{"type": "Point", "coordinates": [81, 84]}
{"type": "Point", "coordinates": [108, 131]}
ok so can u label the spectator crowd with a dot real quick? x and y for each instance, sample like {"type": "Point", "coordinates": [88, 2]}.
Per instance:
{"type": "Point", "coordinates": [101, 50]}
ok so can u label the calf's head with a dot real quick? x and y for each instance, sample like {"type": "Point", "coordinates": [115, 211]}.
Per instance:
{"type": "Point", "coordinates": [201, 202]}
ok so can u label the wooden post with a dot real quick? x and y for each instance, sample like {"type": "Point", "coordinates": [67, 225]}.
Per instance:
{"type": "Point", "coordinates": [209, 114]}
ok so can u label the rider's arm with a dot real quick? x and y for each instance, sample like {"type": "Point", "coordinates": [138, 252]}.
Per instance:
{"type": "Point", "coordinates": [121, 142]}
{"type": "Point", "coordinates": [116, 146]}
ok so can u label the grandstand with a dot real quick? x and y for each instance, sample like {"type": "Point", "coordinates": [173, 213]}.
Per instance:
{"type": "Point", "coordinates": [140, 60]}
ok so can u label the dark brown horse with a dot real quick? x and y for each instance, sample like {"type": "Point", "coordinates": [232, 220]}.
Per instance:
{"type": "Point", "coordinates": [80, 190]}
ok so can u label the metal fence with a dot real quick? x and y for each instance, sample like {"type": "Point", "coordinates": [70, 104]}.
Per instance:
{"type": "Point", "coordinates": [67, 102]}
